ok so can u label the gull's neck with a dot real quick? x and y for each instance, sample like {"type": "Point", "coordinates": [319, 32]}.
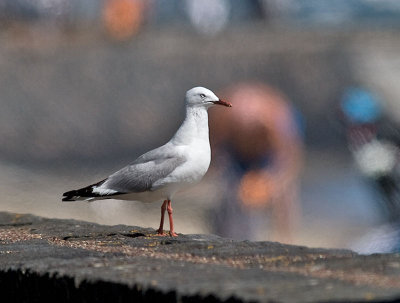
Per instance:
{"type": "Point", "coordinates": [195, 126]}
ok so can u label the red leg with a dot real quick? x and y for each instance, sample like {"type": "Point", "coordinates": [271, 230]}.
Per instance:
{"type": "Point", "coordinates": [171, 221]}
{"type": "Point", "coordinates": [160, 230]}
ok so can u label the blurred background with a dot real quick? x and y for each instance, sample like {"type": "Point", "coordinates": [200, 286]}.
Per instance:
{"type": "Point", "coordinates": [307, 155]}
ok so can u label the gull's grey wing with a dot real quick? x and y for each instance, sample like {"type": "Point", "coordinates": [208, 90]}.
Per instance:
{"type": "Point", "coordinates": [140, 177]}
{"type": "Point", "coordinates": [165, 151]}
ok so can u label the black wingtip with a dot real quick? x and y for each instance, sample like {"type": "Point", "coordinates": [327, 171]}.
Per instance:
{"type": "Point", "coordinates": [69, 195]}
{"type": "Point", "coordinates": [85, 192]}
{"type": "Point", "coordinates": [67, 199]}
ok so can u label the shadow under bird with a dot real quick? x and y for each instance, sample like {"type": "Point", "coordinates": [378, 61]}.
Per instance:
{"type": "Point", "coordinates": [158, 174]}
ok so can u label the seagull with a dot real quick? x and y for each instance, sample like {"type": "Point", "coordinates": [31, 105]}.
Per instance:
{"type": "Point", "coordinates": [158, 174]}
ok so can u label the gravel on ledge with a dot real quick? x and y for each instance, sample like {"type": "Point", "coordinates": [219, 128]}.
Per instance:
{"type": "Point", "coordinates": [75, 261]}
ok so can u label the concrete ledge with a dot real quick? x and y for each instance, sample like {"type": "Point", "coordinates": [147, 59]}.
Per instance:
{"type": "Point", "coordinates": [74, 261]}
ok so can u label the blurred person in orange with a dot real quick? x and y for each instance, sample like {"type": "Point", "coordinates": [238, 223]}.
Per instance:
{"type": "Point", "coordinates": [259, 155]}
{"type": "Point", "coordinates": [122, 18]}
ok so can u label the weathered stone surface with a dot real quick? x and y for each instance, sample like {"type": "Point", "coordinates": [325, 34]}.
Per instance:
{"type": "Point", "coordinates": [74, 261]}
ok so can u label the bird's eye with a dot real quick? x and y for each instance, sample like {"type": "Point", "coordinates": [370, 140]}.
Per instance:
{"type": "Point", "coordinates": [202, 96]}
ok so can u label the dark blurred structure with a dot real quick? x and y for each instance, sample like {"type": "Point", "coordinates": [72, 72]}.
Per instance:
{"type": "Point", "coordinates": [374, 140]}
{"type": "Point", "coordinates": [334, 13]}
{"type": "Point", "coordinates": [258, 152]}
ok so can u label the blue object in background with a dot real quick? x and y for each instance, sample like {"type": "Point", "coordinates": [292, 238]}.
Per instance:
{"type": "Point", "coordinates": [360, 106]}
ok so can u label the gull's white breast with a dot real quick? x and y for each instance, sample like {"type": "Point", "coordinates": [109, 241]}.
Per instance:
{"type": "Point", "coordinates": [199, 157]}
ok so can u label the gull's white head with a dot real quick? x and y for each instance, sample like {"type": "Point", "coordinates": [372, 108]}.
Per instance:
{"type": "Point", "coordinates": [203, 97]}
